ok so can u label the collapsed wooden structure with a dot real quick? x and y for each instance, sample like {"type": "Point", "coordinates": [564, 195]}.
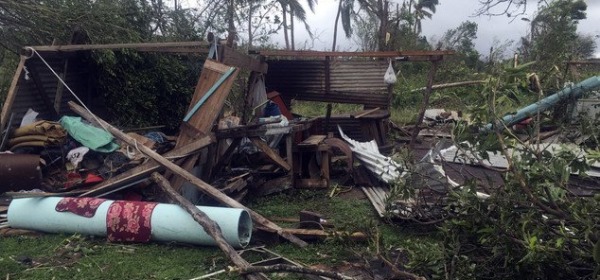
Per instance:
{"type": "Point", "coordinates": [331, 77]}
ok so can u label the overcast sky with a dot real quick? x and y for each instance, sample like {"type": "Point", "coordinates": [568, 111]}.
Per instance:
{"type": "Point", "coordinates": [449, 14]}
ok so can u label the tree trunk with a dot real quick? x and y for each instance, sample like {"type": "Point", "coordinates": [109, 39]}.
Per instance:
{"type": "Point", "coordinates": [250, 13]}
{"type": "Point", "coordinates": [285, 27]}
{"type": "Point", "coordinates": [335, 26]}
{"type": "Point", "coordinates": [293, 43]}
{"type": "Point", "coordinates": [231, 23]}
{"type": "Point", "coordinates": [412, 21]}
{"type": "Point", "coordinates": [383, 23]}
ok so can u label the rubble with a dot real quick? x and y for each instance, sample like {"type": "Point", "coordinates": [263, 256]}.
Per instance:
{"type": "Point", "coordinates": [64, 151]}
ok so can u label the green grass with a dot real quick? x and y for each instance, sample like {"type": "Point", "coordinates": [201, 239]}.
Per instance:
{"type": "Point", "coordinates": [59, 256]}
{"type": "Point", "coordinates": [55, 256]}
{"type": "Point", "coordinates": [314, 109]}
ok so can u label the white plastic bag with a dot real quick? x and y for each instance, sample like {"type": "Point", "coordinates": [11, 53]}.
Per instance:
{"type": "Point", "coordinates": [390, 76]}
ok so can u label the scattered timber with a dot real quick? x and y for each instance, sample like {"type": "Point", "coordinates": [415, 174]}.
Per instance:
{"type": "Point", "coordinates": [201, 185]}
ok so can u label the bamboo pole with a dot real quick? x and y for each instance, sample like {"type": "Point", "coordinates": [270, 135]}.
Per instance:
{"type": "Point", "coordinates": [201, 185]}
{"type": "Point", "coordinates": [449, 85]}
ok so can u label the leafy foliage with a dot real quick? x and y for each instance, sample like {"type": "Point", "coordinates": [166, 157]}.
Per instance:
{"type": "Point", "coordinates": [553, 38]}
{"type": "Point", "coordinates": [144, 89]}
{"type": "Point", "coordinates": [532, 226]}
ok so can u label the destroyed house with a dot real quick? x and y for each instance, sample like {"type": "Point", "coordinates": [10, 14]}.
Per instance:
{"type": "Point", "coordinates": [236, 154]}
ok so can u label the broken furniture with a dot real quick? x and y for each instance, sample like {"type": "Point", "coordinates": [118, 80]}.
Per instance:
{"type": "Point", "coordinates": [311, 163]}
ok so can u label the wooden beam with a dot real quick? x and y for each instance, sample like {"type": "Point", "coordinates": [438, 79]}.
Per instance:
{"type": "Point", "coordinates": [201, 185]}
{"type": "Point", "coordinates": [237, 59]}
{"type": "Point", "coordinates": [353, 54]}
{"type": "Point", "coordinates": [365, 112]}
{"type": "Point", "coordinates": [270, 153]}
{"type": "Point", "coordinates": [202, 121]}
{"type": "Point", "coordinates": [449, 85]}
{"type": "Point", "coordinates": [12, 92]}
{"type": "Point", "coordinates": [138, 46]}
{"type": "Point", "coordinates": [208, 94]}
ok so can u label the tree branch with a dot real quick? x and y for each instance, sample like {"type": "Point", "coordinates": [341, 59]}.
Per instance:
{"type": "Point", "coordinates": [293, 269]}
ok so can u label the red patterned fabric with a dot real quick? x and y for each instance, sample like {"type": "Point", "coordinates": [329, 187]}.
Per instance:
{"type": "Point", "coordinates": [82, 206]}
{"type": "Point", "coordinates": [129, 221]}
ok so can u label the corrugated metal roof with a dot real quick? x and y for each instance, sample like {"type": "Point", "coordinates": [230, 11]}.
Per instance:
{"type": "Point", "coordinates": [357, 81]}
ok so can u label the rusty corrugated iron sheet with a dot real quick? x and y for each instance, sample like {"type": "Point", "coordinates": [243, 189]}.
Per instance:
{"type": "Point", "coordinates": [358, 81]}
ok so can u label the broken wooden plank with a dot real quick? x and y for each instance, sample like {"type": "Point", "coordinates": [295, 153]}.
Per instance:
{"type": "Point", "coordinates": [208, 94]}
{"type": "Point", "coordinates": [201, 122]}
{"type": "Point", "coordinates": [365, 112]}
{"type": "Point", "coordinates": [312, 234]}
{"type": "Point", "coordinates": [311, 184]}
{"type": "Point", "coordinates": [273, 186]}
{"type": "Point", "coordinates": [426, 96]}
{"type": "Point", "coordinates": [313, 140]}
{"type": "Point", "coordinates": [201, 185]}
{"type": "Point", "coordinates": [198, 46]}
{"type": "Point", "coordinates": [270, 153]}
{"type": "Point", "coordinates": [234, 58]}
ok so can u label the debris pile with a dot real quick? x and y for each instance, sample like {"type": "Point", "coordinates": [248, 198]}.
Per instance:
{"type": "Point", "coordinates": [88, 176]}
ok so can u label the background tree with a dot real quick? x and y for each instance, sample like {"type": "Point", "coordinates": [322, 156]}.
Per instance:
{"type": "Point", "coordinates": [422, 9]}
{"type": "Point", "coordinates": [461, 40]}
{"type": "Point", "coordinates": [553, 35]}
{"type": "Point", "coordinates": [294, 9]}
{"type": "Point", "coordinates": [345, 10]}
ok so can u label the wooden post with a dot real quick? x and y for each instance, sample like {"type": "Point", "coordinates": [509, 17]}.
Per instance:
{"type": "Point", "coordinates": [12, 92]}
{"type": "Point", "coordinates": [426, 95]}
{"type": "Point", "coordinates": [210, 226]}
{"type": "Point", "coordinates": [201, 185]}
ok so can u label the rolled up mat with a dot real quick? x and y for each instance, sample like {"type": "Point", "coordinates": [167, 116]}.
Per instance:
{"type": "Point", "coordinates": [168, 222]}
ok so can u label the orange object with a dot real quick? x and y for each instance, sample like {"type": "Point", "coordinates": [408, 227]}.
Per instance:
{"type": "Point", "coordinates": [276, 98]}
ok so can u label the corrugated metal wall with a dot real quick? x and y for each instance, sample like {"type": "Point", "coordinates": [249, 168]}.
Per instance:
{"type": "Point", "coordinates": [37, 87]}
{"type": "Point", "coordinates": [350, 81]}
